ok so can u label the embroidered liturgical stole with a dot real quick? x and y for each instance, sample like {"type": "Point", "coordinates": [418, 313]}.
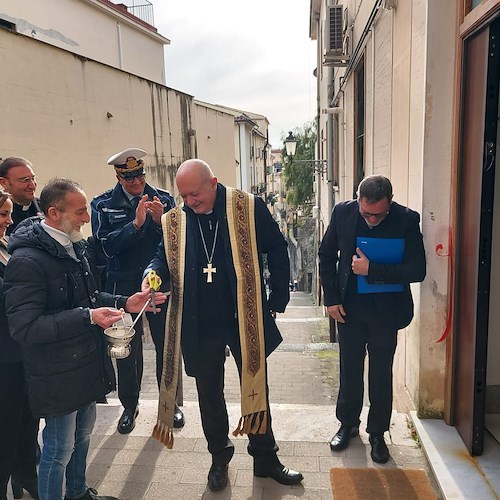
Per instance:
{"type": "Point", "coordinates": [240, 209]}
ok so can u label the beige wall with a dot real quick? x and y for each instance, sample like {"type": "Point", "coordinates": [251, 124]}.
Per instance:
{"type": "Point", "coordinates": [215, 141]}
{"type": "Point", "coordinates": [55, 112]}
{"type": "Point", "coordinates": [88, 28]}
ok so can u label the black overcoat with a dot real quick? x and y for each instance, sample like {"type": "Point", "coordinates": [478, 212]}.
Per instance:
{"type": "Point", "coordinates": [47, 296]}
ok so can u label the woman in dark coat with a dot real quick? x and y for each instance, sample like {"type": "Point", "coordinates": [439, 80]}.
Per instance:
{"type": "Point", "coordinates": [13, 398]}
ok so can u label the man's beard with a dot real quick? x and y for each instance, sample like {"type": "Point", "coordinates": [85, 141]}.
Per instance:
{"type": "Point", "coordinates": [74, 235]}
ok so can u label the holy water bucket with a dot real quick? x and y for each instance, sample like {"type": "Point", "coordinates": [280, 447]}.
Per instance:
{"type": "Point", "coordinates": [119, 337]}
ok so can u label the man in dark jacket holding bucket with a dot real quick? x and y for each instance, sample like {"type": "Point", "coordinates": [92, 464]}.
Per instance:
{"type": "Point", "coordinates": [57, 313]}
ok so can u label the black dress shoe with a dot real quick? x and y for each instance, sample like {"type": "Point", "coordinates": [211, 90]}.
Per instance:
{"type": "Point", "coordinates": [380, 452]}
{"type": "Point", "coordinates": [91, 494]}
{"type": "Point", "coordinates": [126, 423]}
{"type": "Point", "coordinates": [217, 477]}
{"type": "Point", "coordinates": [19, 484]}
{"type": "Point", "coordinates": [277, 471]}
{"type": "Point", "coordinates": [341, 440]}
{"type": "Point", "coordinates": [178, 417]}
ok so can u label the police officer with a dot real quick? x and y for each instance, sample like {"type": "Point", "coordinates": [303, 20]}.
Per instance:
{"type": "Point", "coordinates": [126, 220]}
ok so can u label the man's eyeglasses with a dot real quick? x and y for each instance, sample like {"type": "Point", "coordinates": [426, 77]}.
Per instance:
{"type": "Point", "coordinates": [130, 180]}
{"type": "Point", "coordinates": [26, 180]}
{"type": "Point", "coordinates": [368, 215]}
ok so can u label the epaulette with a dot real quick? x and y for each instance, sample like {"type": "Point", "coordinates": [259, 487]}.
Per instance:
{"type": "Point", "coordinates": [104, 194]}
{"type": "Point", "coordinates": [164, 191]}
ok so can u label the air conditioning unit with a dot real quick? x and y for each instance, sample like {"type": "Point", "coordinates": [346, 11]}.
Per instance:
{"type": "Point", "coordinates": [336, 28]}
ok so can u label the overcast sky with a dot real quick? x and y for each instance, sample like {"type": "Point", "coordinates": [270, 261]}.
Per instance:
{"type": "Point", "coordinates": [253, 55]}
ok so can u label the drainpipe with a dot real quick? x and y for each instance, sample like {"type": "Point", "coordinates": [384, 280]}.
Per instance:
{"type": "Point", "coordinates": [372, 163]}
{"type": "Point", "coordinates": [316, 289]}
{"type": "Point", "coordinates": [342, 180]}
{"type": "Point", "coordinates": [120, 50]}
{"type": "Point", "coordinates": [329, 147]}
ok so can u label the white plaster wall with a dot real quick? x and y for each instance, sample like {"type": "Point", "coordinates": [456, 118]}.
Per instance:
{"type": "Point", "coordinates": [383, 106]}
{"type": "Point", "coordinates": [434, 37]}
{"type": "Point", "coordinates": [402, 86]}
{"type": "Point", "coordinates": [84, 28]}
{"type": "Point", "coordinates": [412, 183]}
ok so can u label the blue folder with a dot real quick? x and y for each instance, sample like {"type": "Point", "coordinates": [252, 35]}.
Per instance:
{"type": "Point", "coordinates": [381, 251]}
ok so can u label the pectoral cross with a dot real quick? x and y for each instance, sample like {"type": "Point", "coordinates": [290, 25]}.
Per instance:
{"type": "Point", "coordinates": [209, 270]}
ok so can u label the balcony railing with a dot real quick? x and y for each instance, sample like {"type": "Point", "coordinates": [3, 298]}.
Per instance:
{"type": "Point", "coordinates": [141, 9]}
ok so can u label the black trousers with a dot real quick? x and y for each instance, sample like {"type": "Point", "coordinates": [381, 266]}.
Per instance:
{"type": "Point", "coordinates": [361, 333]}
{"type": "Point", "coordinates": [214, 418]}
{"type": "Point", "coordinates": [18, 427]}
{"type": "Point", "coordinates": [157, 328]}
{"type": "Point", "coordinates": [130, 369]}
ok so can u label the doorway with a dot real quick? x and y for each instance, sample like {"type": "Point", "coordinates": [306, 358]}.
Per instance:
{"type": "Point", "coordinates": [492, 404]}
{"type": "Point", "coordinates": [476, 237]}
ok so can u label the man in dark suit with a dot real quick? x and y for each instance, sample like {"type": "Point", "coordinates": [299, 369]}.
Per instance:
{"type": "Point", "coordinates": [369, 321]}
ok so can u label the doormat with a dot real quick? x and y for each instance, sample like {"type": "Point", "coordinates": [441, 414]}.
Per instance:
{"type": "Point", "coordinates": [380, 484]}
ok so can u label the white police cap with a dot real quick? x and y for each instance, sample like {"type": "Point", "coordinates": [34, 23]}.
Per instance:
{"type": "Point", "coordinates": [127, 160]}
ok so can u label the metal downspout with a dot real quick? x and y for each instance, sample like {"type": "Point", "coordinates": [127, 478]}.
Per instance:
{"type": "Point", "coordinates": [372, 119]}
{"type": "Point", "coordinates": [329, 146]}
{"type": "Point", "coordinates": [120, 48]}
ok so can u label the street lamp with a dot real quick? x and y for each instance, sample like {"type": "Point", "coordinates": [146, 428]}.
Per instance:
{"type": "Point", "coordinates": [319, 166]}
{"type": "Point", "coordinates": [290, 145]}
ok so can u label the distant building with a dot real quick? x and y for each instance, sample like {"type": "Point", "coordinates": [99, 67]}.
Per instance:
{"type": "Point", "coordinates": [107, 32]}
{"type": "Point", "coordinates": [249, 148]}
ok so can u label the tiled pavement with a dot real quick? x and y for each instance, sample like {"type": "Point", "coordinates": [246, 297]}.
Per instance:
{"type": "Point", "coordinates": [303, 389]}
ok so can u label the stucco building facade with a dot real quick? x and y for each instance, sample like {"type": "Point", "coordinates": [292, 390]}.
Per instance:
{"type": "Point", "coordinates": [407, 89]}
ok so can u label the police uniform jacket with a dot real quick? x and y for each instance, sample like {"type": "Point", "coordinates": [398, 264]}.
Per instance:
{"type": "Point", "coordinates": [127, 250]}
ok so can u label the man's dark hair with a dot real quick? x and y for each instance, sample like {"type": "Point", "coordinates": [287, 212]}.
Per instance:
{"type": "Point", "coordinates": [375, 188]}
{"type": "Point", "coordinates": [11, 162]}
{"type": "Point", "coordinates": [54, 193]}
